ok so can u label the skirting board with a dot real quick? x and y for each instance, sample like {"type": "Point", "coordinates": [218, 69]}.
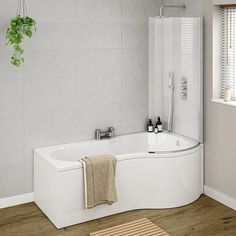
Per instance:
{"type": "Point", "coordinates": [16, 200]}
{"type": "Point", "coordinates": [220, 197]}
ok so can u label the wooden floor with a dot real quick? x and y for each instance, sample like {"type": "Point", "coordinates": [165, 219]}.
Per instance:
{"type": "Point", "coordinates": [204, 217]}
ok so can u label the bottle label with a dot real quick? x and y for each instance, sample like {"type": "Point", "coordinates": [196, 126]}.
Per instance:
{"type": "Point", "coordinates": [159, 128]}
{"type": "Point", "coordinates": [150, 128]}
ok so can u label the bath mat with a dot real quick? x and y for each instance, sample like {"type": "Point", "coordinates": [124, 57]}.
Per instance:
{"type": "Point", "coordinates": [142, 227]}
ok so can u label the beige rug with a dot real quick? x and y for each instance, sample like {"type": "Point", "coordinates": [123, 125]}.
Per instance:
{"type": "Point", "coordinates": [142, 227]}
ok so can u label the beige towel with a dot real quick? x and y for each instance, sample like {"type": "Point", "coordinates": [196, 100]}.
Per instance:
{"type": "Point", "coordinates": [99, 180]}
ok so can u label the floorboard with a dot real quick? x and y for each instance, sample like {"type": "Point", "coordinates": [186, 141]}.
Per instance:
{"type": "Point", "coordinates": [205, 217]}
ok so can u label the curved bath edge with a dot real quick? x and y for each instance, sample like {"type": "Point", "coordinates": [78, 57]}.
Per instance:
{"type": "Point", "coordinates": [62, 165]}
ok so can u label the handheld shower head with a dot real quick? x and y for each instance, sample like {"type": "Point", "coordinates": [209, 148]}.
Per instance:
{"type": "Point", "coordinates": [171, 83]}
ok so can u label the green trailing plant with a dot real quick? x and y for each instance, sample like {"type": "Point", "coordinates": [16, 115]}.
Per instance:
{"type": "Point", "coordinates": [20, 27]}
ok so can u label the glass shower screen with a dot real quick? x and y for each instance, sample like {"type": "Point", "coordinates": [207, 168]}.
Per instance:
{"type": "Point", "coordinates": [175, 74]}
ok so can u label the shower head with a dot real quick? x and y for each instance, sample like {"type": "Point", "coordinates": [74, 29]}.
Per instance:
{"type": "Point", "coordinates": [162, 7]}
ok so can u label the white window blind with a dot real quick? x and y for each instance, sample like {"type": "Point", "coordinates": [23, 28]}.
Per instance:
{"type": "Point", "coordinates": [229, 50]}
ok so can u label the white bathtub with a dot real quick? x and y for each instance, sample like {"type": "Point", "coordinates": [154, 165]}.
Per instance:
{"type": "Point", "coordinates": [153, 171]}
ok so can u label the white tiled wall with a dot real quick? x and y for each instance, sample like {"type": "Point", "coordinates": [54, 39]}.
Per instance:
{"type": "Point", "coordinates": [85, 68]}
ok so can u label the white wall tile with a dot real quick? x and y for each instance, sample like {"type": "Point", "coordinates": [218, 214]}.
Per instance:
{"type": "Point", "coordinates": [83, 134]}
{"type": "Point", "coordinates": [98, 113]}
{"type": "Point", "coordinates": [100, 87]}
{"type": "Point", "coordinates": [138, 11]}
{"type": "Point", "coordinates": [134, 86]}
{"type": "Point", "coordinates": [45, 92]}
{"type": "Point", "coordinates": [99, 61]}
{"type": "Point", "coordinates": [50, 105]}
{"type": "Point", "coordinates": [135, 35]}
{"type": "Point", "coordinates": [11, 123]}
{"type": "Point", "coordinates": [135, 60]}
{"type": "Point", "coordinates": [50, 64]}
{"type": "Point", "coordinates": [52, 11]}
{"type": "Point", "coordinates": [99, 11]}
{"type": "Point", "coordinates": [12, 95]}
{"type": "Point", "coordinates": [11, 109]}
{"type": "Point", "coordinates": [11, 181]}
{"type": "Point", "coordinates": [135, 110]}
{"type": "Point", "coordinates": [92, 36]}
{"type": "Point", "coordinates": [11, 152]}
{"type": "Point", "coordinates": [7, 70]}
{"type": "Point", "coordinates": [52, 37]}
{"type": "Point", "coordinates": [50, 119]}
{"type": "Point", "coordinates": [7, 10]}
{"type": "Point", "coordinates": [134, 127]}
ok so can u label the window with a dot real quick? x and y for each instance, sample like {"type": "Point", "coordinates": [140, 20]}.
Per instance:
{"type": "Point", "coordinates": [229, 50]}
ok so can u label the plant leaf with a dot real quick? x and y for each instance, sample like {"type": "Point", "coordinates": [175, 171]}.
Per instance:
{"type": "Point", "coordinates": [18, 29]}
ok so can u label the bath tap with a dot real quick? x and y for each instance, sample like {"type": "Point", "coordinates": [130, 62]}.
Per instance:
{"type": "Point", "coordinates": [110, 133]}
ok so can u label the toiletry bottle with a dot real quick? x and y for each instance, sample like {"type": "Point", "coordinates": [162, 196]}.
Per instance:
{"type": "Point", "coordinates": [150, 126]}
{"type": "Point", "coordinates": [156, 129]}
{"type": "Point", "coordinates": [159, 125]}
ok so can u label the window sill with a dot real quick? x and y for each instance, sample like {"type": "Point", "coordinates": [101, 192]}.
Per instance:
{"type": "Point", "coordinates": [221, 101]}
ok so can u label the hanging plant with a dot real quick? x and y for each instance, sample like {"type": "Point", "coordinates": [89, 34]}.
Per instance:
{"type": "Point", "coordinates": [20, 26]}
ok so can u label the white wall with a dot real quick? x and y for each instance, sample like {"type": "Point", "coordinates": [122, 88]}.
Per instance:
{"type": "Point", "coordinates": [220, 128]}
{"type": "Point", "coordinates": [85, 68]}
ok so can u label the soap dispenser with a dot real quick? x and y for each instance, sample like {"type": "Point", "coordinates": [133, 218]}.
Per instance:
{"type": "Point", "coordinates": [159, 125]}
{"type": "Point", "coordinates": [150, 126]}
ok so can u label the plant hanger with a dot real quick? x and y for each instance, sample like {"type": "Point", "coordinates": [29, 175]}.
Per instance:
{"type": "Point", "coordinates": [21, 8]}
{"type": "Point", "coordinates": [20, 26]}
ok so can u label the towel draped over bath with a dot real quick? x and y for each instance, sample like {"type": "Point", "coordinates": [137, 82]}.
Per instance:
{"type": "Point", "coordinates": [99, 180]}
